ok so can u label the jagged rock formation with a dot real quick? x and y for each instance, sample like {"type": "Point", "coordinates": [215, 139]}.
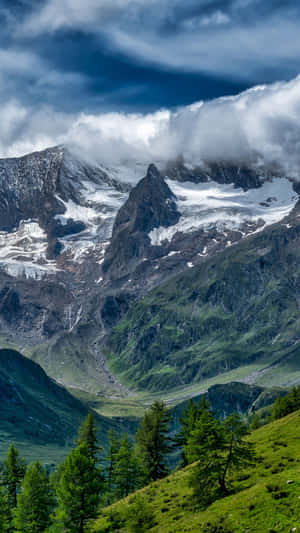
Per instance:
{"type": "Point", "coordinates": [151, 204]}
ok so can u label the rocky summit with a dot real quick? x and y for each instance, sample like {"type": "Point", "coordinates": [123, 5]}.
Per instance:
{"type": "Point", "coordinates": [82, 245]}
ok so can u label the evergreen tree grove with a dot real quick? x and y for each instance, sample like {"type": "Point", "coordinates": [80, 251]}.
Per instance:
{"type": "Point", "coordinates": [287, 404]}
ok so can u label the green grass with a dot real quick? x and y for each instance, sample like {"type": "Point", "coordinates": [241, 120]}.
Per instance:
{"type": "Point", "coordinates": [262, 500]}
{"type": "Point", "coordinates": [111, 407]}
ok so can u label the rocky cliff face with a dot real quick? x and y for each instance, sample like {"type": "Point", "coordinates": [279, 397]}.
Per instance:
{"type": "Point", "coordinates": [80, 243]}
{"type": "Point", "coordinates": [151, 204]}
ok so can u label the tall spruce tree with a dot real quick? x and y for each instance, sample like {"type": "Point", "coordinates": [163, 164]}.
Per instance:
{"type": "Point", "coordinates": [12, 474]}
{"type": "Point", "coordinates": [153, 441]}
{"type": "Point", "coordinates": [35, 502]}
{"type": "Point", "coordinates": [78, 492]}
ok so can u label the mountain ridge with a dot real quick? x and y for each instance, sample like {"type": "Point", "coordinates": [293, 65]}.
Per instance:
{"type": "Point", "coordinates": [71, 274]}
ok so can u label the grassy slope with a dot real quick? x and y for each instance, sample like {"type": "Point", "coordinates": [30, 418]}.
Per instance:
{"type": "Point", "coordinates": [251, 508]}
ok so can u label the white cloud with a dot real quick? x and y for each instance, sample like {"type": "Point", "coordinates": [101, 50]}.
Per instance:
{"type": "Point", "coordinates": [208, 40]}
{"type": "Point", "coordinates": [262, 124]}
{"type": "Point", "coordinates": [57, 14]}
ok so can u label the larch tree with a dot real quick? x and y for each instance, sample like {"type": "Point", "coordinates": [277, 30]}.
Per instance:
{"type": "Point", "coordinates": [35, 501]}
{"type": "Point", "coordinates": [79, 490]}
{"type": "Point", "coordinates": [238, 452]}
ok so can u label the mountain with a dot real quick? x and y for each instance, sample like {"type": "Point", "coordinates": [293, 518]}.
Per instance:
{"type": "Point", "coordinates": [238, 309]}
{"type": "Point", "coordinates": [265, 496]}
{"type": "Point", "coordinates": [113, 278]}
{"type": "Point", "coordinates": [37, 412]}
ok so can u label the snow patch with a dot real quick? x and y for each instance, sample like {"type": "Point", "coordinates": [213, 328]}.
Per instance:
{"type": "Point", "coordinates": [23, 252]}
{"type": "Point", "coordinates": [211, 205]}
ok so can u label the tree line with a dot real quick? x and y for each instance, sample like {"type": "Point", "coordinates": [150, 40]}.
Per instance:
{"type": "Point", "coordinates": [285, 405]}
{"type": "Point", "coordinates": [32, 501]}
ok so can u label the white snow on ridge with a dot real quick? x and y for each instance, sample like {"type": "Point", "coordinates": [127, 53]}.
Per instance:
{"type": "Point", "coordinates": [23, 252]}
{"type": "Point", "coordinates": [208, 205]}
{"type": "Point", "coordinates": [97, 209]}
{"type": "Point", "coordinates": [76, 212]}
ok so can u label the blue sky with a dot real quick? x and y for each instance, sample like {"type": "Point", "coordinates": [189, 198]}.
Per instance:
{"type": "Point", "coordinates": [66, 64]}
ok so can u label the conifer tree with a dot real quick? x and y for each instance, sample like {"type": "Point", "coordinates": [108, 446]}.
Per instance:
{"type": "Point", "coordinates": [285, 405]}
{"type": "Point", "coordinates": [126, 469]}
{"type": "Point", "coordinates": [79, 490]}
{"type": "Point", "coordinates": [206, 445]}
{"type": "Point", "coordinates": [12, 474]}
{"type": "Point", "coordinates": [153, 441]}
{"type": "Point", "coordinates": [88, 435]}
{"type": "Point", "coordinates": [35, 502]}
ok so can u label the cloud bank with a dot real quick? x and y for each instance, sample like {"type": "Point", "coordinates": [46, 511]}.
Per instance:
{"type": "Point", "coordinates": [261, 125]}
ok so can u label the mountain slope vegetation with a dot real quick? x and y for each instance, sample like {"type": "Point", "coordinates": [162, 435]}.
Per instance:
{"type": "Point", "coordinates": [240, 307]}
{"type": "Point", "coordinates": [264, 497]}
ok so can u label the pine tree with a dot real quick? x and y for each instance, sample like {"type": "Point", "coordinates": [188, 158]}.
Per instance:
{"type": "Point", "coordinates": [110, 466]}
{"type": "Point", "coordinates": [126, 469]}
{"type": "Point", "coordinates": [12, 474]}
{"type": "Point", "coordinates": [88, 435]}
{"type": "Point", "coordinates": [35, 502]}
{"type": "Point", "coordinates": [79, 490]}
{"type": "Point", "coordinates": [153, 441]}
{"type": "Point", "coordinates": [238, 453]}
